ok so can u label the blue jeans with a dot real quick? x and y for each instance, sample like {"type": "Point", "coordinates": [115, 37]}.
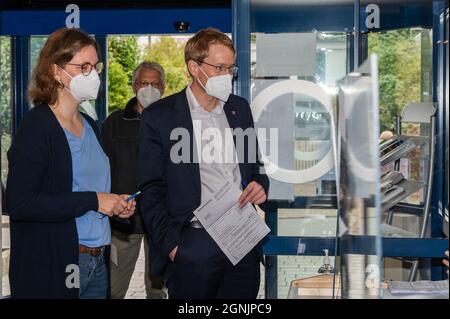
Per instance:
{"type": "Point", "coordinates": [93, 277]}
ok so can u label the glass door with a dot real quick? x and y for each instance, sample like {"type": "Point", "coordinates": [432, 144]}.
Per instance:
{"type": "Point", "coordinates": [298, 52]}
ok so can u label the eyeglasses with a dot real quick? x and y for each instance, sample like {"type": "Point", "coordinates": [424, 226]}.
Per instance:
{"type": "Point", "coordinates": [86, 68]}
{"type": "Point", "coordinates": [222, 68]}
{"type": "Point", "coordinates": [141, 84]}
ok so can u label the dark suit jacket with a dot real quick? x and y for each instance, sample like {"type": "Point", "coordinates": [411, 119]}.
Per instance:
{"type": "Point", "coordinates": [172, 191]}
{"type": "Point", "coordinates": [43, 208]}
{"type": "Point", "coordinates": [120, 133]}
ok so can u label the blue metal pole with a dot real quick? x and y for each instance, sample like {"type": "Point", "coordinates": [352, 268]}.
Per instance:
{"type": "Point", "coordinates": [21, 69]}
{"type": "Point", "coordinates": [241, 32]}
{"type": "Point", "coordinates": [101, 104]}
{"type": "Point", "coordinates": [357, 30]}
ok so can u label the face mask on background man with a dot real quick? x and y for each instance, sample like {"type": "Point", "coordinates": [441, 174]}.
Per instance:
{"type": "Point", "coordinates": [82, 87]}
{"type": "Point", "coordinates": [148, 95]}
{"type": "Point", "coordinates": [218, 86]}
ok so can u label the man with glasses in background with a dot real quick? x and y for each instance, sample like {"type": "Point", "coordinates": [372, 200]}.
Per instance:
{"type": "Point", "coordinates": [120, 135]}
{"type": "Point", "coordinates": [195, 265]}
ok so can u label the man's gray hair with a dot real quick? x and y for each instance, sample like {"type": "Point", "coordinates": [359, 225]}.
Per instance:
{"type": "Point", "coordinates": [151, 65]}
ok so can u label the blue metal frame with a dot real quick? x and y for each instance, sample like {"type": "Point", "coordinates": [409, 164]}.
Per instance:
{"type": "Point", "coordinates": [20, 72]}
{"type": "Point", "coordinates": [349, 49]}
{"type": "Point", "coordinates": [114, 21]}
{"type": "Point", "coordinates": [356, 35]}
{"type": "Point", "coordinates": [285, 18]}
{"type": "Point", "coordinates": [392, 247]}
{"type": "Point", "coordinates": [242, 41]}
{"type": "Point", "coordinates": [101, 104]}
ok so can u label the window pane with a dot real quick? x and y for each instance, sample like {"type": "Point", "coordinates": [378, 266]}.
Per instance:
{"type": "Point", "coordinates": [36, 44]}
{"type": "Point", "coordinates": [405, 70]}
{"type": "Point", "coordinates": [126, 52]}
{"type": "Point", "coordinates": [298, 51]}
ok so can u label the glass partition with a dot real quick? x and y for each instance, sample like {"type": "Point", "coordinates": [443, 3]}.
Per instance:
{"type": "Point", "coordinates": [359, 183]}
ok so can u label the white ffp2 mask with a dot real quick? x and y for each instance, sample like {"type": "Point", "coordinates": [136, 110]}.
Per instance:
{"type": "Point", "coordinates": [218, 86]}
{"type": "Point", "coordinates": [148, 95]}
{"type": "Point", "coordinates": [82, 87]}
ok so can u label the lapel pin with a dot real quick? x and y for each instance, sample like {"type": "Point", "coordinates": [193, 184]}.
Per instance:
{"type": "Point", "coordinates": [233, 112]}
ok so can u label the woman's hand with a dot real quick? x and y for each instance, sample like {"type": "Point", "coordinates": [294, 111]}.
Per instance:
{"type": "Point", "coordinates": [111, 204]}
{"type": "Point", "coordinates": [129, 210]}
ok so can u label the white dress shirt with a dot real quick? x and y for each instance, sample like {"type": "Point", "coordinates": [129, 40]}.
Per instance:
{"type": "Point", "coordinates": [214, 145]}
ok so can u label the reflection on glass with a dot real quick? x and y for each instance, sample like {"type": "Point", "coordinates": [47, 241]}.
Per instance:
{"type": "Point", "coordinates": [359, 186]}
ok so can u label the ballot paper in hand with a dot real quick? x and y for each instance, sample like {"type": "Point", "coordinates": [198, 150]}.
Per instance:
{"type": "Point", "coordinates": [235, 230]}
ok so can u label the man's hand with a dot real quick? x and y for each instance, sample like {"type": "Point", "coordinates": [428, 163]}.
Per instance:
{"type": "Point", "coordinates": [445, 261]}
{"type": "Point", "coordinates": [253, 193]}
{"type": "Point", "coordinates": [173, 254]}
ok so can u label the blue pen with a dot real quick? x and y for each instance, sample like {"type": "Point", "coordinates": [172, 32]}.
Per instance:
{"type": "Point", "coordinates": [133, 196]}
{"type": "Point", "coordinates": [127, 200]}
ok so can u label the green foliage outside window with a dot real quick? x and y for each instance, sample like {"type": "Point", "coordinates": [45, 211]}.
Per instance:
{"type": "Point", "coordinates": [124, 55]}
{"type": "Point", "coordinates": [399, 53]}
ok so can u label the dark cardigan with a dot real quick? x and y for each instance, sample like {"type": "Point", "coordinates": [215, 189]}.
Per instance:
{"type": "Point", "coordinates": [43, 208]}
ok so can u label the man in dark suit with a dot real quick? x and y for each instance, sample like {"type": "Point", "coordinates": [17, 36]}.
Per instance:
{"type": "Point", "coordinates": [176, 135]}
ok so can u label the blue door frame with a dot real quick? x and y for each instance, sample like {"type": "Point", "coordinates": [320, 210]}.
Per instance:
{"type": "Point", "coordinates": [238, 20]}
{"type": "Point", "coordinates": [22, 24]}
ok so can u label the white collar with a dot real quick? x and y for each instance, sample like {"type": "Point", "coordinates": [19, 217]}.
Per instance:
{"type": "Point", "coordinates": [194, 106]}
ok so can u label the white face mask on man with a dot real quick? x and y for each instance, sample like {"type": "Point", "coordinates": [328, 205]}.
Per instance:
{"type": "Point", "coordinates": [148, 95]}
{"type": "Point", "coordinates": [84, 88]}
{"type": "Point", "coordinates": [219, 86]}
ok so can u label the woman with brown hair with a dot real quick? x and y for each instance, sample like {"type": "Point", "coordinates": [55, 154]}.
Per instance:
{"type": "Point", "coordinates": [59, 180]}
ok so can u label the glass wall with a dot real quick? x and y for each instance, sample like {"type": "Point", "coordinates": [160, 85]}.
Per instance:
{"type": "Point", "coordinates": [300, 47]}
{"type": "Point", "coordinates": [298, 52]}
{"type": "Point", "coordinates": [403, 41]}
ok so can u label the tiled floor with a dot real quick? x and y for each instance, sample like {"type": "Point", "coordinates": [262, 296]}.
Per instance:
{"type": "Point", "coordinates": [136, 290]}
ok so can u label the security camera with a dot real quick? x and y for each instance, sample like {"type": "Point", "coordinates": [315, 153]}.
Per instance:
{"type": "Point", "coordinates": [181, 26]}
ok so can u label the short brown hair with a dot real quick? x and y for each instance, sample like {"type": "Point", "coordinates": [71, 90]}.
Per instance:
{"type": "Point", "coordinates": [198, 46]}
{"type": "Point", "coordinates": [59, 49]}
